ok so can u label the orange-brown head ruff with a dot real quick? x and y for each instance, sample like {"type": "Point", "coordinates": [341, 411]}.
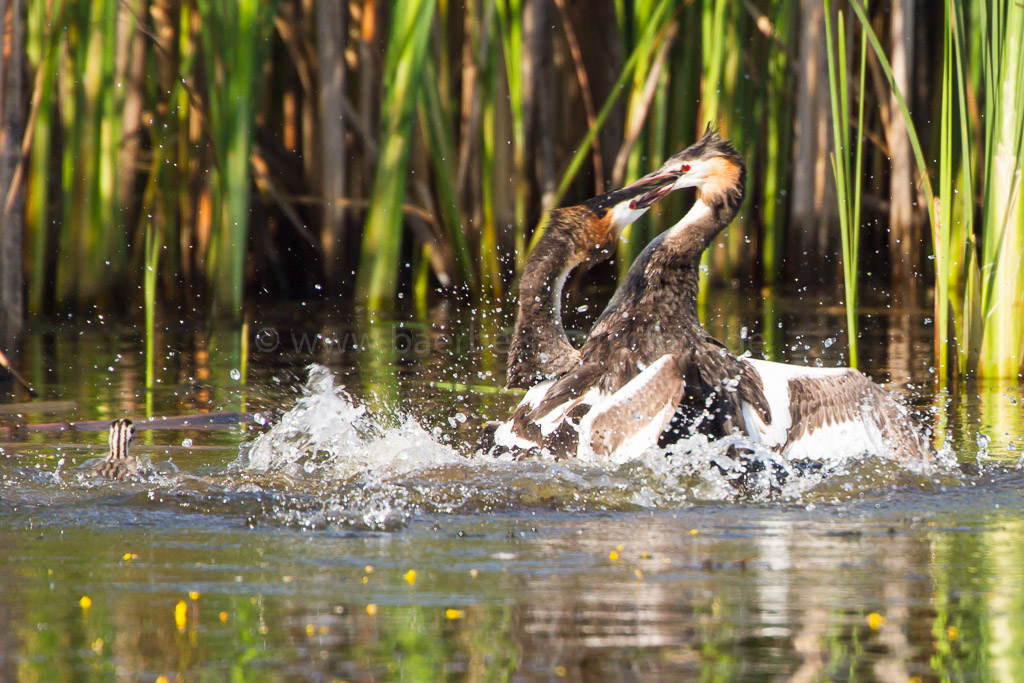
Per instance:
{"type": "Point", "coordinates": [611, 212]}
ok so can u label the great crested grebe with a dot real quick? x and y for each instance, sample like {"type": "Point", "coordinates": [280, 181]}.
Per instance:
{"type": "Point", "coordinates": [118, 465]}
{"type": "Point", "coordinates": [649, 373]}
{"type": "Point", "coordinates": [575, 235]}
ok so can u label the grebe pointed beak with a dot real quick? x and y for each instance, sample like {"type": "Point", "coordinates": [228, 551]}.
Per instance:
{"type": "Point", "coordinates": [659, 177]}
{"type": "Point", "coordinates": [661, 183]}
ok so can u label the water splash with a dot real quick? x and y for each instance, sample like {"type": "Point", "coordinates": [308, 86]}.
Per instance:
{"type": "Point", "coordinates": [327, 434]}
{"type": "Point", "coordinates": [358, 467]}
{"type": "Point", "coordinates": [328, 461]}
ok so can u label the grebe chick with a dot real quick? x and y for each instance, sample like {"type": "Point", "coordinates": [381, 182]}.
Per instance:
{"type": "Point", "coordinates": [119, 464]}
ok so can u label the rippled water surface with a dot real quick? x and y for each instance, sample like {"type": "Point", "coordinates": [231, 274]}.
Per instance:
{"type": "Point", "coordinates": [310, 508]}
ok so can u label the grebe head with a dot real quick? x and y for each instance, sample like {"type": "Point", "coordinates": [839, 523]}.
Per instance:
{"type": "Point", "coordinates": [611, 212]}
{"type": "Point", "coordinates": [712, 165]}
{"type": "Point", "coordinates": [122, 433]}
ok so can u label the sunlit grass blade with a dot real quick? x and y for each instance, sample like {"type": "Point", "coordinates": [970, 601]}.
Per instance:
{"type": "Point", "coordinates": [149, 279]}
{"type": "Point", "coordinates": [490, 258]}
{"type": "Point", "coordinates": [434, 125]}
{"type": "Point", "coordinates": [510, 24]}
{"type": "Point", "coordinates": [403, 74]}
{"type": "Point", "coordinates": [1003, 217]}
{"type": "Point", "coordinates": [232, 70]}
{"type": "Point", "coordinates": [43, 41]}
{"type": "Point", "coordinates": [846, 163]}
{"type": "Point", "coordinates": [583, 147]}
{"type": "Point", "coordinates": [778, 142]}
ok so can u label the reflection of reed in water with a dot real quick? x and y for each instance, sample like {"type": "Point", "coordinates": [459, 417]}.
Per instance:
{"type": "Point", "coordinates": [784, 593]}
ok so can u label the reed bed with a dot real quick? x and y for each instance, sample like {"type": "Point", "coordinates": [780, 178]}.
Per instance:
{"type": "Point", "coordinates": [195, 156]}
{"type": "Point", "coordinates": [979, 280]}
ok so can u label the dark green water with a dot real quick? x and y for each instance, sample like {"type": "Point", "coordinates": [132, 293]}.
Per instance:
{"type": "Point", "coordinates": [358, 538]}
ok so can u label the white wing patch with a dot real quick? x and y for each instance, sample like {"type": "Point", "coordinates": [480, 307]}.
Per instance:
{"type": "Point", "coordinates": [775, 381]}
{"type": "Point", "coordinates": [505, 435]}
{"type": "Point", "coordinates": [831, 440]}
{"type": "Point", "coordinates": [839, 442]}
{"type": "Point", "coordinates": [628, 422]}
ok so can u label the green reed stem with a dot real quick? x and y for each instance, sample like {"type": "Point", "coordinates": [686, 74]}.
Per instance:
{"type": "Point", "coordinates": [149, 278]}
{"type": "Point", "coordinates": [403, 75]}
{"type": "Point", "coordinates": [510, 25]}
{"type": "Point", "coordinates": [846, 165]}
{"type": "Point", "coordinates": [583, 149]}
{"type": "Point", "coordinates": [1003, 215]}
{"type": "Point", "coordinates": [233, 73]}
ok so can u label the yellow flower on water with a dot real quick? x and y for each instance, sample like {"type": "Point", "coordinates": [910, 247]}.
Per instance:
{"type": "Point", "coordinates": [645, 556]}
{"type": "Point", "coordinates": [366, 579]}
{"type": "Point", "coordinates": [85, 602]}
{"type": "Point", "coordinates": [371, 609]}
{"type": "Point", "coordinates": [952, 632]}
{"type": "Point", "coordinates": [162, 679]}
{"type": "Point", "coordinates": [639, 574]}
{"type": "Point", "coordinates": [693, 532]}
{"type": "Point", "coordinates": [180, 612]}
{"type": "Point", "coordinates": [410, 577]}
{"type": "Point", "coordinates": [613, 556]}
{"type": "Point", "coordinates": [310, 630]}
{"type": "Point", "coordinates": [368, 569]}
{"type": "Point", "coordinates": [193, 595]}
{"type": "Point", "coordinates": [619, 547]}
{"type": "Point", "coordinates": [875, 620]}
{"type": "Point", "coordinates": [560, 671]}
{"type": "Point", "coordinates": [97, 646]}
{"type": "Point", "coordinates": [128, 557]}
{"type": "Point", "coordinates": [452, 613]}
{"type": "Point", "coordinates": [223, 616]}
{"type": "Point", "coordinates": [473, 573]}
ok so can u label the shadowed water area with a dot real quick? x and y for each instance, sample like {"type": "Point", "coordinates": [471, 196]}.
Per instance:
{"type": "Point", "coordinates": [333, 523]}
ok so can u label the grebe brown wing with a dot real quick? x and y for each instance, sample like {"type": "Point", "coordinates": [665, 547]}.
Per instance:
{"type": "Point", "coordinates": [832, 412]}
{"type": "Point", "coordinates": [576, 416]}
{"type": "Point", "coordinates": [629, 421]}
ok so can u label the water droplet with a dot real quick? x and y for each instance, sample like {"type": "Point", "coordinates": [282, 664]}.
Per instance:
{"type": "Point", "coordinates": [829, 342]}
{"type": "Point", "coordinates": [186, 443]}
{"type": "Point", "coordinates": [235, 374]}
{"type": "Point", "coordinates": [983, 442]}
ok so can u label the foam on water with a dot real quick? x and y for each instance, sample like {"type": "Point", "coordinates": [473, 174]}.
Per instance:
{"type": "Point", "coordinates": [327, 434]}
{"type": "Point", "coordinates": [329, 442]}
{"type": "Point", "coordinates": [328, 461]}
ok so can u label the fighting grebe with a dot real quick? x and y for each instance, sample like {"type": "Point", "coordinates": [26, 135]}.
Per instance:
{"type": "Point", "coordinates": [649, 373]}
{"type": "Point", "coordinates": [585, 233]}
{"type": "Point", "coordinates": [118, 464]}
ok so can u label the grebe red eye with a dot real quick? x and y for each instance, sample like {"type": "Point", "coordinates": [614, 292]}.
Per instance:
{"type": "Point", "coordinates": [684, 168]}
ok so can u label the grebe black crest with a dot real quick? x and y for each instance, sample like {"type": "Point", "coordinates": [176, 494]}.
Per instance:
{"type": "Point", "coordinates": [650, 374]}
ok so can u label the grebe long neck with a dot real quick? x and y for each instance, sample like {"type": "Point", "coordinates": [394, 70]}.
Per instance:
{"type": "Point", "coordinates": [540, 347]}
{"type": "Point", "coordinates": [657, 300]}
